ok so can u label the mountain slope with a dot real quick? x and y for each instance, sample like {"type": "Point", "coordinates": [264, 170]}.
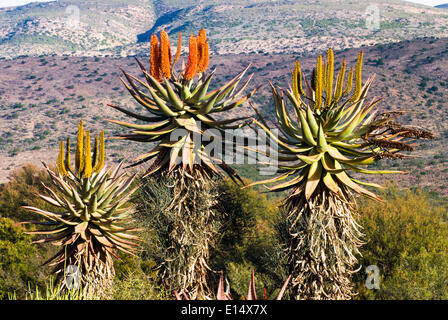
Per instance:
{"type": "Point", "coordinates": [234, 26]}
{"type": "Point", "coordinates": [42, 98]}
{"type": "Point", "coordinates": [70, 27]}
{"type": "Point", "coordinates": [298, 26]}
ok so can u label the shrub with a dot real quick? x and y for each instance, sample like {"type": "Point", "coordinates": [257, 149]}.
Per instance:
{"type": "Point", "coordinates": [20, 191]}
{"type": "Point", "coordinates": [19, 263]}
{"type": "Point", "coordinates": [407, 239]}
{"type": "Point", "coordinates": [135, 279]}
{"type": "Point", "coordinates": [248, 239]}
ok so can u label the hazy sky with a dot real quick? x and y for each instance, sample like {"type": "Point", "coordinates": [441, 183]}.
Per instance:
{"type": "Point", "coordinates": [9, 3]}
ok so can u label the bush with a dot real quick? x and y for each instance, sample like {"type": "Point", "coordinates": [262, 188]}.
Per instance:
{"type": "Point", "coordinates": [19, 260]}
{"type": "Point", "coordinates": [135, 279]}
{"type": "Point", "coordinates": [21, 191]}
{"type": "Point", "coordinates": [407, 239]}
{"type": "Point", "coordinates": [248, 239]}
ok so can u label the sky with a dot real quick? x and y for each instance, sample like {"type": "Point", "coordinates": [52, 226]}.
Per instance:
{"type": "Point", "coordinates": [10, 3]}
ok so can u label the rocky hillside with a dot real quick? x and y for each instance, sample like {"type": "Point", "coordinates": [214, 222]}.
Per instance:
{"type": "Point", "coordinates": [113, 27]}
{"type": "Point", "coordinates": [73, 27]}
{"type": "Point", "coordinates": [42, 99]}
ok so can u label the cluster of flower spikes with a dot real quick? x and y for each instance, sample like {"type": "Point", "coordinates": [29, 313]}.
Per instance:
{"type": "Point", "coordinates": [162, 62]}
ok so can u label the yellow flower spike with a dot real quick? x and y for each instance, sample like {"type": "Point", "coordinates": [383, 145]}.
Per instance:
{"type": "Point", "coordinates": [165, 55]}
{"type": "Point", "coordinates": [87, 172]}
{"type": "Point", "coordinates": [155, 61]}
{"type": "Point", "coordinates": [358, 78]}
{"type": "Point", "coordinates": [79, 160]}
{"type": "Point", "coordinates": [60, 163]}
{"type": "Point", "coordinates": [318, 93]}
{"type": "Point", "coordinates": [102, 152]}
{"type": "Point", "coordinates": [324, 76]}
{"type": "Point", "coordinates": [340, 82]}
{"type": "Point", "coordinates": [297, 86]}
{"type": "Point", "coordinates": [348, 87]}
{"type": "Point", "coordinates": [295, 81]}
{"type": "Point", "coordinates": [330, 75]}
{"type": "Point", "coordinates": [67, 156]}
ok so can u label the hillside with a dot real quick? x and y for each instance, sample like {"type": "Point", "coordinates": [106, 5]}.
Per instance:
{"type": "Point", "coordinates": [42, 99]}
{"type": "Point", "coordinates": [113, 27]}
{"type": "Point", "coordinates": [72, 27]}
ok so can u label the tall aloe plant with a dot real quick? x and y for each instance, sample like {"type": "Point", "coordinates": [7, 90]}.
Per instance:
{"type": "Point", "coordinates": [91, 220]}
{"type": "Point", "coordinates": [179, 111]}
{"type": "Point", "coordinates": [325, 145]}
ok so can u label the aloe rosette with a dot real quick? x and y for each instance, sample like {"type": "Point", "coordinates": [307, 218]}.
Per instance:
{"type": "Point", "coordinates": [91, 219]}
{"type": "Point", "coordinates": [179, 102]}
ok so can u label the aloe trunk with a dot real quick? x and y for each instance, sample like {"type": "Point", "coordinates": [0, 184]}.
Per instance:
{"type": "Point", "coordinates": [186, 223]}
{"type": "Point", "coordinates": [323, 241]}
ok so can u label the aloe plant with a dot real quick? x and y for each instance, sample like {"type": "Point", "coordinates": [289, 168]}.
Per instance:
{"type": "Point", "coordinates": [180, 105]}
{"type": "Point", "coordinates": [91, 219]}
{"type": "Point", "coordinates": [332, 134]}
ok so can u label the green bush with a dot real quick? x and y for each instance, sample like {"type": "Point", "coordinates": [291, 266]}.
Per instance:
{"type": "Point", "coordinates": [21, 191]}
{"type": "Point", "coordinates": [248, 240]}
{"type": "Point", "coordinates": [135, 279]}
{"type": "Point", "coordinates": [19, 260]}
{"type": "Point", "coordinates": [407, 239]}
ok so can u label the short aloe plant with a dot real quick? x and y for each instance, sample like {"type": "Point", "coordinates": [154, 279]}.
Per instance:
{"type": "Point", "coordinates": [333, 133]}
{"type": "Point", "coordinates": [179, 110]}
{"type": "Point", "coordinates": [91, 217]}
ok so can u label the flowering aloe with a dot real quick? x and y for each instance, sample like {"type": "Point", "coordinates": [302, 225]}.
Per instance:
{"type": "Point", "coordinates": [178, 102]}
{"type": "Point", "coordinates": [333, 133]}
{"type": "Point", "coordinates": [91, 217]}
{"type": "Point", "coordinates": [179, 118]}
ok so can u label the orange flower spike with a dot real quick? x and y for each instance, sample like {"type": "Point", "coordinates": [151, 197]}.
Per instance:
{"type": "Point", "coordinates": [179, 48]}
{"type": "Point", "coordinates": [165, 55]}
{"type": "Point", "coordinates": [203, 51]}
{"type": "Point", "coordinates": [155, 66]}
{"type": "Point", "coordinates": [202, 36]}
{"type": "Point", "coordinates": [192, 65]}
{"type": "Point", "coordinates": [203, 63]}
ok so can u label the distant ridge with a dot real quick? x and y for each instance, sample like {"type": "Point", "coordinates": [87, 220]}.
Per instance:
{"type": "Point", "coordinates": [444, 6]}
{"type": "Point", "coordinates": [123, 27]}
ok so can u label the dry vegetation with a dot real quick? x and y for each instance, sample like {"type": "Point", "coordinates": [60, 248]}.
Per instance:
{"type": "Point", "coordinates": [50, 93]}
